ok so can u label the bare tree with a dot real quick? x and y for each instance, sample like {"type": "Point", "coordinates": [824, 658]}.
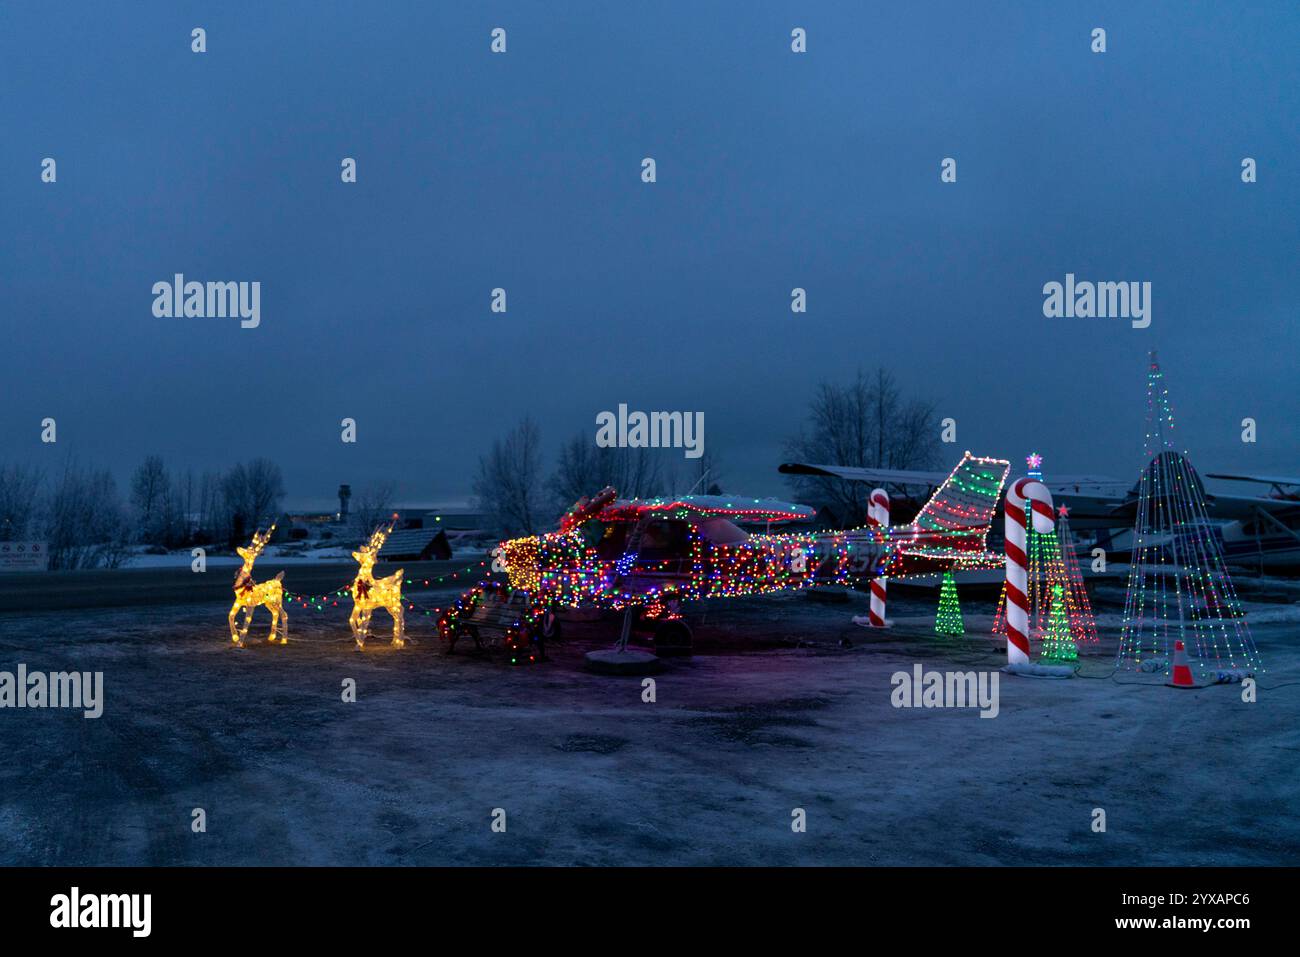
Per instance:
{"type": "Point", "coordinates": [234, 504]}
{"type": "Point", "coordinates": [509, 482]}
{"type": "Point", "coordinates": [84, 523]}
{"type": "Point", "coordinates": [208, 521]}
{"type": "Point", "coordinates": [706, 476]}
{"type": "Point", "coordinates": [19, 489]}
{"type": "Point", "coordinates": [584, 468]}
{"type": "Point", "coordinates": [638, 473]}
{"type": "Point", "coordinates": [150, 489]}
{"type": "Point", "coordinates": [866, 424]}
{"type": "Point", "coordinates": [251, 495]}
{"type": "Point", "coordinates": [265, 491]}
{"type": "Point", "coordinates": [373, 504]}
{"type": "Point", "coordinates": [182, 500]}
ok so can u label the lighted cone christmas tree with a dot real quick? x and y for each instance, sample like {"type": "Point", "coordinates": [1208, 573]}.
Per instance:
{"type": "Point", "coordinates": [1052, 562]}
{"type": "Point", "coordinates": [1000, 616]}
{"type": "Point", "coordinates": [1058, 644]}
{"type": "Point", "coordinates": [1178, 585]}
{"type": "Point", "coordinates": [1046, 569]}
{"type": "Point", "coordinates": [1046, 574]}
{"type": "Point", "coordinates": [1083, 626]}
{"type": "Point", "coordinates": [948, 620]}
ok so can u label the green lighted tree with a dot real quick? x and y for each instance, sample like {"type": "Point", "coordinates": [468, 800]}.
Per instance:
{"type": "Point", "coordinates": [948, 620]}
{"type": "Point", "coordinates": [1058, 643]}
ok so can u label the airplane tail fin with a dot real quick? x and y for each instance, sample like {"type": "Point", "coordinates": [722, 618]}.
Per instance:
{"type": "Point", "coordinates": [963, 506]}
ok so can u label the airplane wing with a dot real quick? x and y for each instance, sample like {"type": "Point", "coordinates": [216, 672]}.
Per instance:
{"type": "Point", "coordinates": [854, 474]}
{"type": "Point", "coordinates": [1091, 511]}
{"type": "Point", "coordinates": [1262, 479]}
{"type": "Point", "coordinates": [1088, 509]}
{"type": "Point", "coordinates": [1095, 486]}
{"type": "Point", "coordinates": [744, 510]}
{"type": "Point", "coordinates": [1100, 486]}
{"type": "Point", "coordinates": [1243, 507]}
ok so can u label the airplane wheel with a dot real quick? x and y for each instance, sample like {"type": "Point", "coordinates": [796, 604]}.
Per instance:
{"type": "Point", "coordinates": [672, 638]}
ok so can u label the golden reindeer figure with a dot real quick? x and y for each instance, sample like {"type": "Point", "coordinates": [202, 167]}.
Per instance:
{"type": "Point", "coordinates": [369, 593]}
{"type": "Point", "coordinates": [249, 594]}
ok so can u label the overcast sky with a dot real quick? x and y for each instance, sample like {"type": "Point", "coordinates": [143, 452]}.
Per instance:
{"type": "Point", "coordinates": [522, 171]}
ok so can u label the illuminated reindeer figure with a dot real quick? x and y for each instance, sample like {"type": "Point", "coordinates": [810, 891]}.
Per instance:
{"type": "Point", "coordinates": [249, 594]}
{"type": "Point", "coordinates": [369, 593]}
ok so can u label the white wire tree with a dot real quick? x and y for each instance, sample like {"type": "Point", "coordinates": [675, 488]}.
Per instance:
{"type": "Point", "coordinates": [1178, 585]}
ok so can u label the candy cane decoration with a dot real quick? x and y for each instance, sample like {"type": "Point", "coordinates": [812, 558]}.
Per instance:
{"type": "Point", "coordinates": [1023, 492]}
{"type": "Point", "coordinates": [878, 516]}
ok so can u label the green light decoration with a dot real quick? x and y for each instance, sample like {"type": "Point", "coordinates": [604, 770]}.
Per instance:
{"type": "Point", "coordinates": [948, 620]}
{"type": "Point", "coordinates": [1058, 643]}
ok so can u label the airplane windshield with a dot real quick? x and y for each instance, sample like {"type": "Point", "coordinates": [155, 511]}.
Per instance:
{"type": "Point", "coordinates": [665, 539]}
{"type": "Point", "coordinates": [607, 537]}
{"type": "Point", "coordinates": [720, 531]}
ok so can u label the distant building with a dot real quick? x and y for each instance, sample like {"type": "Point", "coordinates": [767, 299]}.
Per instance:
{"type": "Point", "coordinates": [423, 544]}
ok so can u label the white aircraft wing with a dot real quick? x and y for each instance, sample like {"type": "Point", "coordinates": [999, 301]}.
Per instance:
{"type": "Point", "coordinates": [1262, 479]}
{"type": "Point", "coordinates": [1228, 507]}
{"type": "Point", "coordinates": [1094, 486]}
{"type": "Point", "coordinates": [1089, 510]}
{"type": "Point", "coordinates": [1098, 486]}
{"type": "Point", "coordinates": [878, 476]}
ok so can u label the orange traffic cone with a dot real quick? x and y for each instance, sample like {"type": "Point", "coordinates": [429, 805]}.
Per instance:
{"type": "Point", "coordinates": [1182, 668]}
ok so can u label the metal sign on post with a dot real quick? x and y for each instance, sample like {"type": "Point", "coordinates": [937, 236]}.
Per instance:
{"type": "Point", "coordinates": [24, 557]}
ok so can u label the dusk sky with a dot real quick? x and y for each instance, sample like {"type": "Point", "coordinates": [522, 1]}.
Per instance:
{"type": "Point", "coordinates": [775, 170]}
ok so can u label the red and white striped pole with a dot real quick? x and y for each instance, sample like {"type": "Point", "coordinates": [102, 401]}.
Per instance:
{"type": "Point", "coordinates": [1023, 493]}
{"type": "Point", "coordinates": [878, 517]}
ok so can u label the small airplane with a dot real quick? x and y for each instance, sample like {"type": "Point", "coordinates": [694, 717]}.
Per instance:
{"type": "Point", "coordinates": [648, 557]}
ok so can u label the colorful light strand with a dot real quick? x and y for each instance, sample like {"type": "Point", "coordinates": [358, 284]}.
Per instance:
{"type": "Point", "coordinates": [1178, 586]}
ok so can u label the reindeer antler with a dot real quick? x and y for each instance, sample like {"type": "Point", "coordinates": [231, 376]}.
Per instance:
{"type": "Point", "coordinates": [379, 536]}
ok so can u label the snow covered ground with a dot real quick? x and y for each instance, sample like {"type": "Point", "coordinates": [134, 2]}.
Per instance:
{"type": "Point", "coordinates": [771, 715]}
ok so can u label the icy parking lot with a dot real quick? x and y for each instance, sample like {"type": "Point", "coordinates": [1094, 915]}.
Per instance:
{"type": "Point", "coordinates": [771, 715]}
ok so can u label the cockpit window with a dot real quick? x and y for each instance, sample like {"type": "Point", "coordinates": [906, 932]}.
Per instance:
{"type": "Point", "coordinates": [664, 539]}
{"type": "Point", "coordinates": [607, 537]}
{"type": "Point", "coordinates": [720, 531]}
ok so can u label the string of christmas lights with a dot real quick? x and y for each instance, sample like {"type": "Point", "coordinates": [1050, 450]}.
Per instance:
{"type": "Point", "coordinates": [322, 601]}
